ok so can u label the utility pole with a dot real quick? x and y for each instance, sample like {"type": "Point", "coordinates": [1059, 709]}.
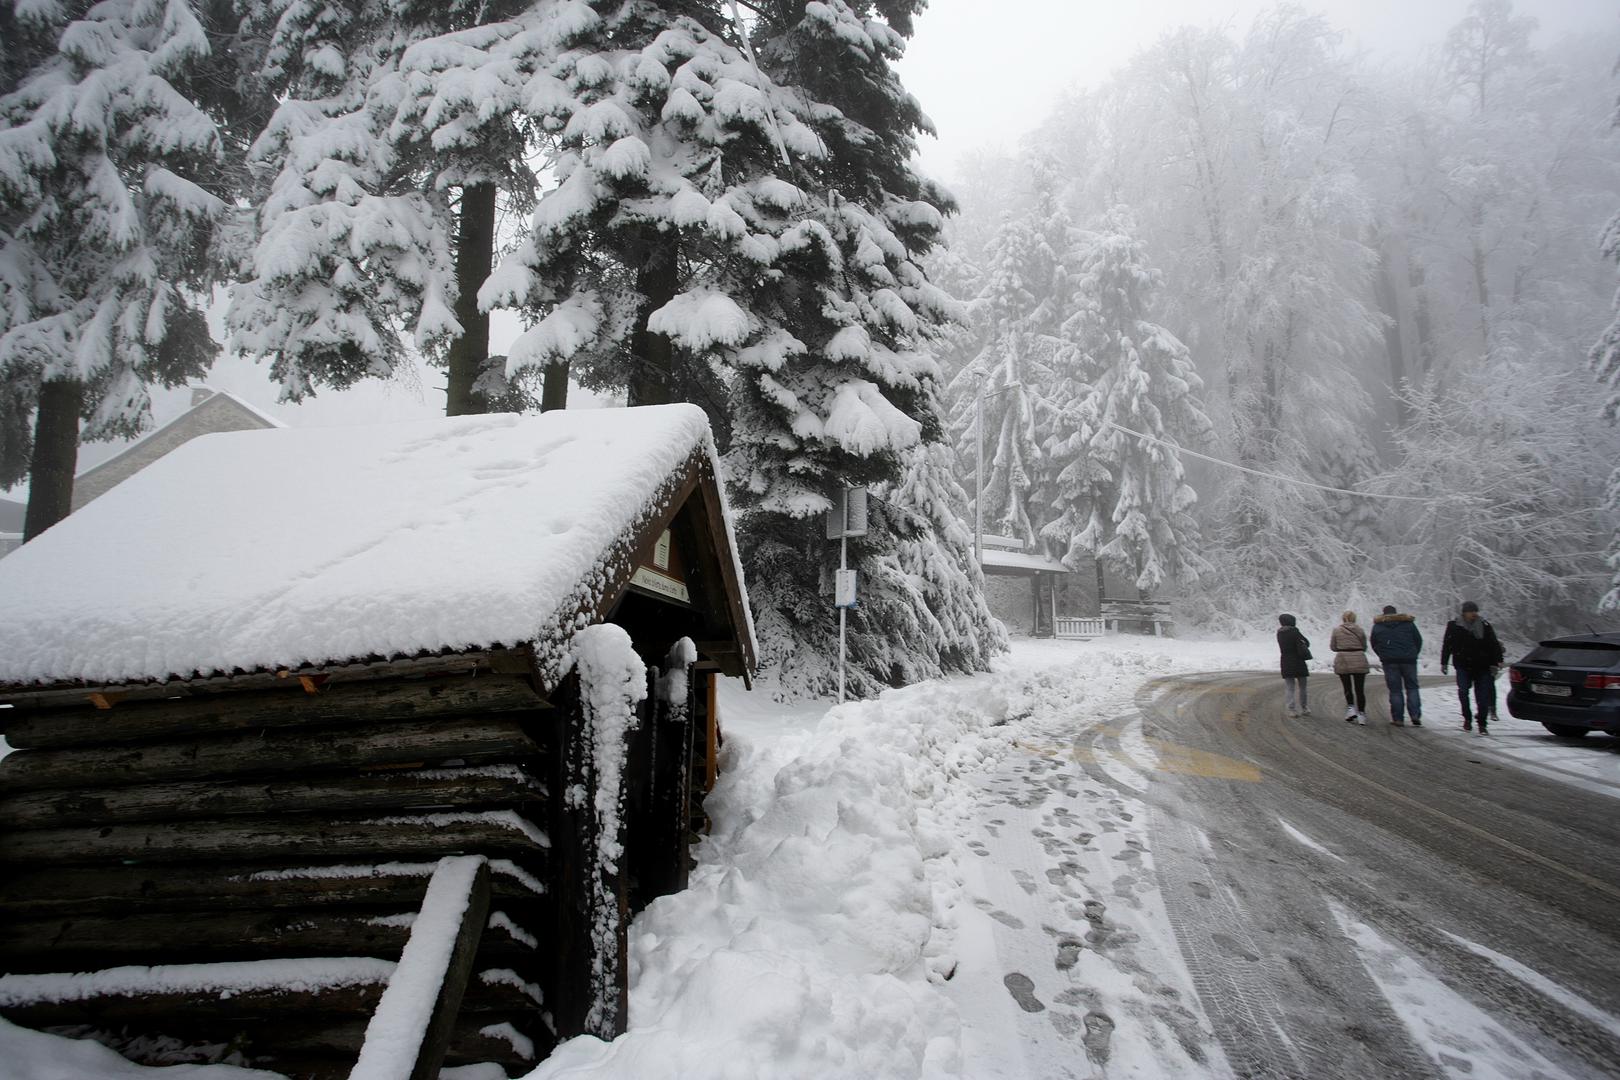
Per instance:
{"type": "Point", "coordinates": [978, 471]}
{"type": "Point", "coordinates": [843, 612]}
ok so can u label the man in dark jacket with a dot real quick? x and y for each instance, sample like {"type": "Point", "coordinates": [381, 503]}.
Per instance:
{"type": "Point", "coordinates": [1396, 640]}
{"type": "Point", "coordinates": [1472, 645]}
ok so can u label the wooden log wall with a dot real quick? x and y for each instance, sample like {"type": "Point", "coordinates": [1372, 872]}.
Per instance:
{"type": "Point", "coordinates": [274, 822]}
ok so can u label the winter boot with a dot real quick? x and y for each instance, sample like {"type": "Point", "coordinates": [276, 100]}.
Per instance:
{"type": "Point", "coordinates": [1361, 718]}
{"type": "Point", "coordinates": [1417, 721]}
{"type": "Point", "coordinates": [1482, 730]}
{"type": "Point", "coordinates": [1468, 722]}
{"type": "Point", "coordinates": [1349, 714]}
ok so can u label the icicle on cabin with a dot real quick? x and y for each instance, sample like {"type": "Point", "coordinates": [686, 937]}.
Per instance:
{"type": "Point", "coordinates": [267, 691]}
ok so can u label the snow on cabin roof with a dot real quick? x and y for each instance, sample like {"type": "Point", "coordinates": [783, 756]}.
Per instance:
{"type": "Point", "coordinates": [273, 548]}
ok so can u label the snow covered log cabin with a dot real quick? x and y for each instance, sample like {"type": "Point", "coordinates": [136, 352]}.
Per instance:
{"type": "Point", "coordinates": [263, 690]}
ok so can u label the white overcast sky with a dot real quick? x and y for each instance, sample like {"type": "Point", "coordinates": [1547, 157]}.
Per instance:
{"type": "Point", "coordinates": [987, 71]}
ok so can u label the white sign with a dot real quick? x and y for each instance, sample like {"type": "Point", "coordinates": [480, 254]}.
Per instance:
{"type": "Point", "coordinates": [848, 515]}
{"type": "Point", "coordinates": [662, 584]}
{"type": "Point", "coordinates": [844, 589]}
{"type": "Point", "coordinates": [661, 551]}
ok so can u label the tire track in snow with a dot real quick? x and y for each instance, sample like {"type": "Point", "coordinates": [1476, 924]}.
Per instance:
{"type": "Point", "coordinates": [1402, 890]}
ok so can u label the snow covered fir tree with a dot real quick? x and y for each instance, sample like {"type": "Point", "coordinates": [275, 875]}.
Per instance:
{"type": "Point", "coordinates": [109, 195]}
{"type": "Point", "coordinates": [1125, 398]}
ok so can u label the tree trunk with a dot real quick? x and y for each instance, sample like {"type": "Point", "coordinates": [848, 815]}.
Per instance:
{"type": "Point", "coordinates": [554, 394]}
{"type": "Point", "coordinates": [1416, 278]}
{"type": "Point", "coordinates": [475, 254]}
{"type": "Point", "coordinates": [56, 455]}
{"type": "Point", "coordinates": [1394, 345]}
{"type": "Point", "coordinates": [653, 380]}
{"type": "Point", "coordinates": [1482, 291]}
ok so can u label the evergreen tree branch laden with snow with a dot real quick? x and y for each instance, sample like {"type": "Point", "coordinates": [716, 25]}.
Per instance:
{"type": "Point", "coordinates": [352, 257]}
{"type": "Point", "coordinates": [746, 237]}
{"type": "Point", "coordinates": [109, 197]}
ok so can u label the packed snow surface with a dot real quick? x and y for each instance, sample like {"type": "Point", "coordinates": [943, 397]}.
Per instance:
{"type": "Point", "coordinates": [274, 548]}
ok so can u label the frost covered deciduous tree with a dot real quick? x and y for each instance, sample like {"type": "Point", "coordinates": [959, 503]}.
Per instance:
{"type": "Point", "coordinates": [1120, 498]}
{"type": "Point", "coordinates": [108, 174]}
{"type": "Point", "coordinates": [1509, 489]}
{"type": "Point", "coordinates": [1605, 359]}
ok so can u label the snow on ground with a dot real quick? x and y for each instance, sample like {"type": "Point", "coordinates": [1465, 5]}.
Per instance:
{"type": "Point", "coordinates": [33, 1055]}
{"type": "Point", "coordinates": [844, 923]}
{"type": "Point", "coordinates": [923, 886]}
{"type": "Point", "coordinates": [1449, 1027]}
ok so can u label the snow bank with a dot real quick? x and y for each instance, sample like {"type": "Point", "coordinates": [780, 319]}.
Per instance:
{"type": "Point", "coordinates": [34, 1055]}
{"type": "Point", "coordinates": [274, 548]}
{"type": "Point", "coordinates": [822, 921]}
{"type": "Point", "coordinates": [808, 939]}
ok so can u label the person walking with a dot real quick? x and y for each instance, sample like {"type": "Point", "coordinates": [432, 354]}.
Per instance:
{"type": "Point", "coordinates": [1471, 644]}
{"type": "Point", "coordinates": [1295, 651]}
{"type": "Point", "coordinates": [1396, 640]}
{"type": "Point", "coordinates": [1349, 645]}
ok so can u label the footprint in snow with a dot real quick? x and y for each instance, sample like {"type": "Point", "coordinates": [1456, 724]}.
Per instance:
{"type": "Point", "coordinates": [1199, 889]}
{"type": "Point", "coordinates": [1099, 1037]}
{"type": "Point", "coordinates": [1022, 988]}
{"type": "Point", "coordinates": [1231, 946]}
{"type": "Point", "coordinates": [1007, 919]}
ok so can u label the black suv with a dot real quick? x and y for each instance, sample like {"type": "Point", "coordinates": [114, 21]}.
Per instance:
{"type": "Point", "coordinates": [1570, 685]}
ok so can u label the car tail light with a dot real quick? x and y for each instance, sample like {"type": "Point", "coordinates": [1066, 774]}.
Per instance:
{"type": "Point", "coordinates": [1603, 682]}
{"type": "Point", "coordinates": [1516, 676]}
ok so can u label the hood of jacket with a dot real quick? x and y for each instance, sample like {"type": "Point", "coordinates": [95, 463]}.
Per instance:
{"type": "Point", "coordinates": [1393, 618]}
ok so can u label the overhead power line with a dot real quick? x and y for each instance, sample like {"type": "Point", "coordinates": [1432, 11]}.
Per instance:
{"type": "Point", "coordinates": [1261, 472]}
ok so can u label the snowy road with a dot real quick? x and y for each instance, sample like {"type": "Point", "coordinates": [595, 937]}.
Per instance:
{"type": "Point", "coordinates": [1191, 884]}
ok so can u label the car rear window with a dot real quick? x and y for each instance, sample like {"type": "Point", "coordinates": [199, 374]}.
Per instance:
{"type": "Point", "coordinates": [1597, 654]}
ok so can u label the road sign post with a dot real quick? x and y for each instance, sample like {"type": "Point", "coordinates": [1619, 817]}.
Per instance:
{"type": "Point", "coordinates": [847, 518]}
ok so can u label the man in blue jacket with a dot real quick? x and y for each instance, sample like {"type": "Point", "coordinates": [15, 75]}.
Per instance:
{"type": "Point", "coordinates": [1396, 640]}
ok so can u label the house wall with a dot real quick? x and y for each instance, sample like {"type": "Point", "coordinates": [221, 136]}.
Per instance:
{"type": "Point", "coordinates": [220, 412]}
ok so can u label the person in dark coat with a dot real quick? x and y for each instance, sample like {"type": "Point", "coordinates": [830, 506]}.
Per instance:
{"type": "Point", "coordinates": [1295, 651]}
{"type": "Point", "coordinates": [1472, 645]}
{"type": "Point", "coordinates": [1396, 640]}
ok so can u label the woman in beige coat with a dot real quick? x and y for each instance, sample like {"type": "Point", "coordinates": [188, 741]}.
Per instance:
{"type": "Point", "coordinates": [1349, 645]}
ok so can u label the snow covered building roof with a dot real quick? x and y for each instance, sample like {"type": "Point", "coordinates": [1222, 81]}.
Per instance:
{"type": "Point", "coordinates": [275, 549]}
{"type": "Point", "coordinates": [210, 411]}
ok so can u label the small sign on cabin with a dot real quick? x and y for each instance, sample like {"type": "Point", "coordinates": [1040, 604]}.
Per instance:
{"type": "Point", "coordinates": [666, 576]}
